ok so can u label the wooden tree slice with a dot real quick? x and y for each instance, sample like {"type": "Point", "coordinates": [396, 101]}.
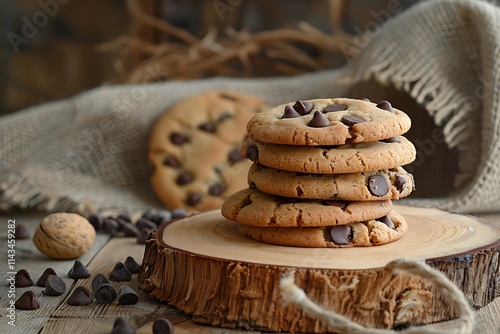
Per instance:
{"type": "Point", "coordinates": [204, 267]}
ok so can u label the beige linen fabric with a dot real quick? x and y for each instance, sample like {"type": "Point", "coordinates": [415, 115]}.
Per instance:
{"type": "Point", "coordinates": [90, 151]}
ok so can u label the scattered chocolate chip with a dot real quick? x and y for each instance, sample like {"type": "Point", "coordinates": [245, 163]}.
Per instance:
{"type": "Point", "coordinates": [391, 140]}
{"type": "Point", "coordinates": [290, 112]}
{"type": "Point", "coordinates": [303, 107]}
{"type": "Point", "coordinates": [54, 286]}
{"type": "Point", "coordinates": [234, 156]}
{"type": "Point", "coordinates": [109, 225]}
{"type": "Point", "coordinates": [162, 216]}
{"type": "Point", "coordinates": [145, 223]}
{"type": "Point", "coordinates": [149, 214]}
{"type": "Point", "coordinates": [340, 204]}
{"type": "Point", "coordinates": [80, 297]}
{"type": "Point", "coordinates": [79, 271]}
{"type": "Point", "coordinates": [387, 221]}
{"type": "Point", "coordinates": [193, 199]}
{"type": "Point", "coordinates": [334, 107]}
{"type": "Point", "coordinates": [378, 186]}
{"type": "Point", "coordinates": [207, 127]}
{"type": "Point", "coordinates": [105, 293]}
{"type": "Point", "coordinates": [27, 302]}
{"type": "Point", "coordinates": [184, 178]}
{"type": "Point", "coordinates": [23, 279]}
{"type": "Point", "coordinates": [127, 296]}
{"type": "Point", "coordinates": [217, 189]}
{"type": "Point", "coordinates": [21, 232]}
{"type": "Point", "coordinates": [252, 152]}
{"type": "Point", "coordinates": [400, 183]}
{"type": "Point", "coordinates": [143, 236]}
{"type": "Point", "coordinates": [178, 138]}
{"type": "Point", "coordinates": [96, 219]}
{"type": "Point", "coordinates": [130, 230]}
{"type": "Point", "coordinates": [386, 105]}
{"type": "Point", "coordinates": [122, 326]}
{"type": "Point", "coordinates": [252, 185]}
{"type": "Point", "coordinates": [125, 216]}
{"type": "Point", "coordinates": [246, 202]}
{"type": "Point", "coordinates": [41, 281]}
{"type": "Point", "coordinates": [120, 273]}
{"type": "Point", "coordinates": [179, 213]}
{"type": "Point", "coordinates": [171, 161]}
{"type": "Point", "coordinates": [352, 119]}
{"type": "Point", "coordinates": [132, 265]}
{"type": "Point", "coordinates": [341, 234]}
{"type": "Point", "coordinates": [162, 326]}
{"type": "Point", "coordinates": [319, 120]}
{"type": "Point", "coordinates": [98, 280]}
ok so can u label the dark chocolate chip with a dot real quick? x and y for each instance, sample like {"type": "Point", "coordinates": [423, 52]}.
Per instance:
{"type": "Point", "coordinates": [162, 216]}
{"type": "Point", "coordinates": [207, 127]}
{"type": "Point", "coordinates": [98, 280]}
{"type": "Point", "coordinates": [352, 119]}
{"type": "Point", "coordinates": [171, 161]}
{"type": "Point", "coordinates": [334, 107]}
{"type": "Point", "coordinates": [178, 138]}
{"type": "Point", "coordinates": [27, 302]}
{"type": "Point", "coordinates": [21, 232]}
{"type": "Point", "coordinates": [54, 286]}
{"type": "Point", "coordinates": [41, 281]}
{"type": "Point", "coordinates": [290, 112]}
{"type": "Point", "coordinates": [162, 326]}
{"type": "Point", "coordinates": [145, 223]}
{"type": "Point", "coordinates": [179, 213]}
{"type": "Point", "coordinates": [341, 234]}
{"type": "Point", "coordinates": [130, 230]}
{"type": "Point", "coordinates": [340, 204]}
{"type": "Point", "coordinates": [378, 186]}
{"type": "Point", "coordinates": [400, 183]}
{"type": "Point", "coordinates": [127, 296]}
{"type": "Point", "coordinates": [105, 293]}
{"type": "Point", "coordinates": [80, 297]}
{"type": "Point", "coordinates": [386, 105]}
{"type": "Point", "coordinates": [125, 216]}
{"type": "Point", "coordinates": [234, 156]}
{"type": "Point", "coordinates": [303, 107]}
{"type": "Point", "coordinates": [392, 140]}
{"type": "Point", "coordinates": [132, 265]}
{"type": "Point", "coordinates": [149, 214]}
{"type": "Point", "coordinates": [110, 225]}
{"type": "Point", "coordinates": [252, 152]}
{"type": "Point", "coordinates": [184, 178]}
{"type": "Point", "coordinates": [193, 199]}
{"type": "Point", "coordinates": [79, 271]}
{"type": "Point", "coordinates": [217, 189]}
{"type": "Point", "coordinates": [319, 120]}
{"type": "Point", "coordinates": [245, 202]}
{"type": "Point", "coordinates": [96, 219]}
{"type": "Point", "coordinates": [252, 185]}
{"type": "Point", "coordinates": [23, 279]}
{"type": "Point", "coordinates": [120, 273]}
{"type": "Point", "coordinates": [122, 326]}
{"type": "Point", "coordinates": [387, 221]}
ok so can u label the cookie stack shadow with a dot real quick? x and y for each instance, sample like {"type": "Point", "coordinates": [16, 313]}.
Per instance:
{"type": "Point", "coordinates": [324, 174]}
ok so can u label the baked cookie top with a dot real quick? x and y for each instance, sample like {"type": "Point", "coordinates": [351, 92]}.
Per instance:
{"type": "Point", "coordinates": [255, 208]}
{"type": "Point", "coordinates": [195, 149]}
{"type": "Point", "coordinates": [347, 158]}
{"type": "Point", "coordinates": [365, 186]}
{"type": "Point", "coordinates": [328, 122]}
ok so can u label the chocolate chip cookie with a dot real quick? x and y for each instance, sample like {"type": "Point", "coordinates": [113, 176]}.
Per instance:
{"type": "Point", "coordinates": [328, 122]}
{"type": "Point", "coordinates": [195, 149]}
{"type": "Point", "coordinates": [391, 184]}
{"type": "Point", "coordinates": [255, 208]}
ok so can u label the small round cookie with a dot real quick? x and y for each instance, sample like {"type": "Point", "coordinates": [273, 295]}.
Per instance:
{"type": "Point", "coordinates": [348, 158]}
{"type": "Point", "coordinates": [374, 232]}
{"type": "Point", "coordinates": [195, 149]}
{"type": "Point", "coordinates": [391, 184]}
{"type": "Point", "coordinates": [255, 208]}
{"type": "Point", "coordinates": [328, 122]}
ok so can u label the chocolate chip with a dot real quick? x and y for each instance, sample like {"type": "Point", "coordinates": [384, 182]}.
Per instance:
{"type": "Point", "coordinates": [105, 293]}
{"type": "Point", "coordinates": [400, 183]}
{"type": "Point", "coordinates": [350, 120]}
{"type": "Point", "coordinates": [22, 279]}
{"type": "Point", "coordinates": [334, 107]}
{"type": "Point", "coordinates": [340, 204]}
{"type": "Point", "coordinates": [80, 297]}
{"type": "Point", "coordinates": [217, 189]}
{"type": "Point", "coordinates": [290, 112]}
{"type": "Point", "coordinates": [178, 138]}
{"type": "Point", "coordinates": [145, 223]}
{"type": "Point", "coordinates": [207, 127]}
{"type": "Point", "coordinates": [162, 326]}
{"type": "Point", "coordinates": [193, 199]}
{"type": "Point", "coordinates": [27, 301]}
{"type": "Point", "coordinates": [127, 296]}
{"type": "Point", "coordinates": [109, 225]}
{"type": "Point", "coordinates": [303, 107]}
{"type": "Point", "coordinates": [98, 280]}
{"type": "Point", "coordinates": [125, 216]}
{"type": "Point", "coordinates": [252, 185]}
{"type": "Point", "coordinates": [392, 140]}
{"type": "Point", "coordinates": [41, 281]}
{"type": "Point", "coordinates": [21, 232]}
{"type": "Point", "coordinates": [149, 214]}
{"type": "Point", "coordinates": [252, 152]}
{"type": "Point", "coordinates": [120, 273]}
{"type": "Point", "coordinates": [122, 326]}
{"type": "Point", "coordinates": [285, 200]}
{"type": "Point", "coordinates": [341, 234]}
{"type": "Point", "coordinates": [184, 178]}
{"type": "Point", "coordinates": [319, 120]}
{"type": "Point", "coordinates": [234, 156]}
{"type": "Point", "coordinates": [171, 161]}
{"type": "Point", "coordinates": [79, 271]}
{"type": "Point", "coordinates": [130, 230]}
{"type": "Point", "coordinates": [179, 213]}
{"type": "Point", "coordinates": [246, 202]}
{"type": "Point", "coordinates": [54, 286]}
{"type": "Point", "coordinates": [387, 221]}
{"type": "Point", "coordinates": [378, 186]}
{"type": "Point", "coordinates": [161, 217]}
{"type": "Point", "coordinates": [132, 265]}
{"type": "Point", "coordinates": [386, 105]}
{"type": "Point", "coordinates": [96, 219]}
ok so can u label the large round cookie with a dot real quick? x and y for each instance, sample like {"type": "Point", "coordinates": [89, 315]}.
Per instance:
{"type": "Point", "coordinates": [195, 149]}
{"type": "Point", "coordinates": [362, 234]}
{"type": "Point", "coordinates": [348, 158]}
{"type": "Point", "coordinates": [328, 122]}
{"type": "Point", "coordinates": [366, 186]}
{"type": "Point", "coordinates": [255, 208]}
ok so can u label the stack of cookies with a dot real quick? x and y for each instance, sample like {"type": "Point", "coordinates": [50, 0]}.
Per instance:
{"type": "Point", "coordinates": [325, 173]}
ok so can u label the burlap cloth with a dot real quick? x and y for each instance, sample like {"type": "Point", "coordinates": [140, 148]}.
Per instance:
{"type": "Point", "coordinates": [440, 58]}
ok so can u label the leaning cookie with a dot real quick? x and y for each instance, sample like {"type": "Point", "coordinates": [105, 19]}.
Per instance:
{"type": "Point", "coordinates": [195, 149]}
{"type": "Point", "coordinates": [391, 184]}
{"type": "Point", "coordinates": [255, 208]}
{"type": "Point", "coordinates": [328, 122]}
{"type": "Point", "coordinates": [374, 232]}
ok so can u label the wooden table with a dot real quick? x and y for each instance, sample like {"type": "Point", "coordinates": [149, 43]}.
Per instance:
{"type": "Point", "coordinates": [56, 316]}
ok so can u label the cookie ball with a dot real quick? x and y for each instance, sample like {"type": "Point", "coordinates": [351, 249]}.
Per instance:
{"type": "Point", "coordinates": [64, 236]}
